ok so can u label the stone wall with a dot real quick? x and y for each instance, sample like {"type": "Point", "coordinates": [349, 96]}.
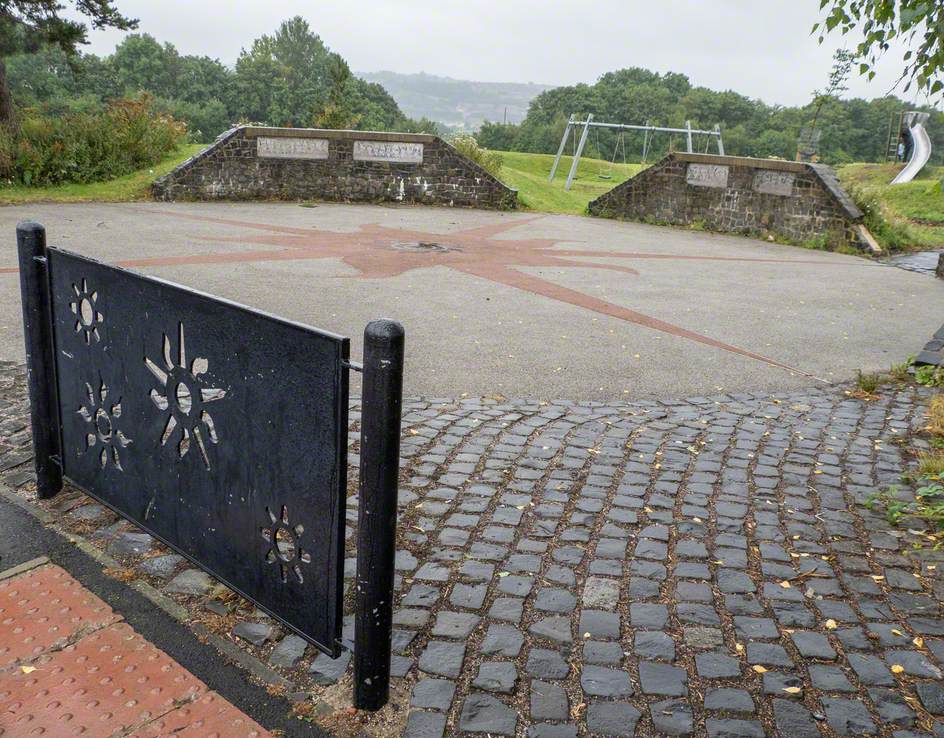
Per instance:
{"type": "Point", "coordinates": [791, 200]}
{"type": "Point", "coordinates": [249, 163]}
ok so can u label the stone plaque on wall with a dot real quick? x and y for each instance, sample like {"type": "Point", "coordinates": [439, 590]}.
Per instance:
{"type": "Point", "coordinates": [707, 175]}
{"type": "Point", "coordinates": [774, 183]}
{"type": "Point", "coordinates": [283, 147]}
{"type": "Point", "coordinates": [393, 151]}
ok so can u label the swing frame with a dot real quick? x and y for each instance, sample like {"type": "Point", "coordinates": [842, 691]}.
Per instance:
{"type": "Point", "coordinates": [573, 124]}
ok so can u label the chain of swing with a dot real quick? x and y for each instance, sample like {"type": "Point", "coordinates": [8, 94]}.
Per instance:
{"type": "Point", "coordinates": [605, 168]}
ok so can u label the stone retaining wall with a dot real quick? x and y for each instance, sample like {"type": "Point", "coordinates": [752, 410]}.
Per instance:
{"type": "Point", "coordinates": [249, 163]}
{"type": "Point", "coordinates": [792, 200]}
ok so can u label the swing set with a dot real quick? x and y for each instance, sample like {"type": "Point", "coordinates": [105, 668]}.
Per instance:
{"type": "Point", "coordinates": [606, 172]}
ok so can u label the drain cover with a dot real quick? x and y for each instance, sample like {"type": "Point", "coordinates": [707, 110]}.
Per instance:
{"type": "Point", "coordinates": [423, 246]}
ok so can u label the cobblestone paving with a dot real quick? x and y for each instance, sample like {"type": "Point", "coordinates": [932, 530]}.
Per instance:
{"type": "Point", "coordinates": [700, 567]}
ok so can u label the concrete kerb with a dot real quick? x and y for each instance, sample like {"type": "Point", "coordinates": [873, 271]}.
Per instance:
{"type": "Point", "coordinates": [26, 566]}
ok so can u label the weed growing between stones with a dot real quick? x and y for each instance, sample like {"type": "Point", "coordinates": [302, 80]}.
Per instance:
{"type": "Point", "coordinates": [868, 383]}
{"type": "Point", "coordinates": [925, 509]}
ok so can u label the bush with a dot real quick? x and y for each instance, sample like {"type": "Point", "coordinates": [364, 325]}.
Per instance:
{"type": "Point", "coordinates": [88, 147]}
{"type": "Point", "coordinates": [490, 161]}
{"type": "Point", "coordinates": [892, 233]}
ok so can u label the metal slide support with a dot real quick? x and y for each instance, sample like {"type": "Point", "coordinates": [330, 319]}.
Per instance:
{"type": "Point", "coordinates": [560, 149]}
{"type": "Point", "coordinates": [583, 140]}
{"type": "Point", "coordinates": [720, 142]}
{"type": "Point", "coordinates": [40, 359]}
{"type": "Point", "coordinates": [688, 127]}
{"type": "Point", "coordinates": [382, 400]}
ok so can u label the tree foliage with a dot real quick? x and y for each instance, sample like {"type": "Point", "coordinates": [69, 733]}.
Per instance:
{"type": "Point", "coordinates": [28, 25]}
{"type": "Point", "coordinates": [850, 130]}
{"type": "Point", "coordinates": [286, 78]}
{"type": "Point", "coordinates": [918, 24]}
{"type": "Point", "coordinates": [337, 111]}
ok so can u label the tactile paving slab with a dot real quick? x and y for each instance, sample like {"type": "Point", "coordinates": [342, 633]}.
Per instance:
{"type": "Point", "coordinates": [45, 608]}
{"type": "Point", "coordinates": [209, 717]}
{"type": "Point", "coordinates": [110, 680]}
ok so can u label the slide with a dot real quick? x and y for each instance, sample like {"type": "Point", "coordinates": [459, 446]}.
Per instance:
{"type": "Point", "coordinates": [920, 147]}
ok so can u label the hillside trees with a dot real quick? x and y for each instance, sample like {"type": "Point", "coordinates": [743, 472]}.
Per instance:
{"type": "Point", "coordinates": [283, 78]}
{"type": "Point", "coordinates": [851, 130]}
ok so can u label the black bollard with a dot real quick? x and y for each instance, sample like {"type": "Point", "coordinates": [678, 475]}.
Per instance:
{"type": "Point", "coordinates": [40, 361]}
{"type": "Point", "coordinates": [382, 398]}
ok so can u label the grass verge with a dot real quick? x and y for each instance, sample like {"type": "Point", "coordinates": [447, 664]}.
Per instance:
{"type": "Point", "coordinates": [131, 187]}
{"type": "Point", "coordinates": [913, 213]}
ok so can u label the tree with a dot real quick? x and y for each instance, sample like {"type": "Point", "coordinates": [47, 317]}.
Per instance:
{"type": "Point", "coordinates": [842, 65]}
{"type": "Point", "coordinates": [282, 80]}
{"type": "Point", "coordinates": [26, 25]}
{"type": "Point", "coordinates": [143, 64]}
{"type": "Point", "coordinates": [919, 24]}
{"type": "Point", "coordinates": [337, 112]}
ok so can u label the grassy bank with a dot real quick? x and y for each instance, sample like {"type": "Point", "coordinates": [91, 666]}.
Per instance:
{"type": "Point", "coordinates": [129, 188]}
{"type": "Point", "coordinates": [528, 173]}
{"type": "Point", "coordinates": [914, 210]}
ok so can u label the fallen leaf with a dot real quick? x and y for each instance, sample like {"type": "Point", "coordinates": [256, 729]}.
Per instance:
{"type": "Point", "coordinates": [793, 690]}
{"type": "Point", "coordinates": [27, 669]}
{"type": "Point", "coordinates": [785, 584]}
{"type": "Point", "coordinates": [759, 669]}
{"type": "Point", "coordinates": [918, 641]}
{"type": "Point", "coordinates": [897, 668]}
{"type": "Point", "coordinates": [831, 624]}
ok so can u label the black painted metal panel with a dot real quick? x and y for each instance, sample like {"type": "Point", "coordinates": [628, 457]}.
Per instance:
{"type": "Point", "coordinates": [220, 429]}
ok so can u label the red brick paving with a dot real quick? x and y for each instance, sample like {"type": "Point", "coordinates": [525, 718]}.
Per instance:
{"type": "Point", "coordinates": [69, 667]}
{"type": "Point", "coordinates": [44, 608]}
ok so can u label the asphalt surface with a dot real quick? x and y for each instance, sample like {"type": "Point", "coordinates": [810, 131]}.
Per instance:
{"type": "Point", "coordinates": [23, 538]}
{"type": "Point", "coordinates": [492, 306]}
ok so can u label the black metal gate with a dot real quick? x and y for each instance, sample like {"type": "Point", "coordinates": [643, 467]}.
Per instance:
{"type": "Point", "coordinates": [222, 431]}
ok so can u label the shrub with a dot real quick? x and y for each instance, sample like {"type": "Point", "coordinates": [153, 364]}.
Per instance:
{"type": "Point", "coordinates": [88, 146]}
{"type": "Point", "coordinates": [490, 161]}
{"type": "Point", "coordinates": [891, 232]}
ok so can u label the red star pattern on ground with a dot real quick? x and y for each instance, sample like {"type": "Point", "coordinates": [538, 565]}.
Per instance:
{"type": "Point", "coordinates": [379, 252]}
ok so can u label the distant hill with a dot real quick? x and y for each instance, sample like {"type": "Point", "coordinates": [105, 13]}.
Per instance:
{"type": "Point", "coordinates": [456, 102]}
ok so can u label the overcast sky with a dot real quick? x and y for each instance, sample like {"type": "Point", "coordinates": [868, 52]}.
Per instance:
{"type": "Point", "coordinates": [760, 48]}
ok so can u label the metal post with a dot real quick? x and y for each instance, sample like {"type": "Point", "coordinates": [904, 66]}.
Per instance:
{"type": "Point", "coordinates": [583, 140]}
{"type": "Point", "coordinates": [720, 142]}
{"type": "Point", "coordinates": [688, 127]}
{"type": "Point", "coordinates": [40, 369]}
{"type": "Point", "coordinates": [382, 397]}
{"type": "Point", "coordinates": [560, 149]}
